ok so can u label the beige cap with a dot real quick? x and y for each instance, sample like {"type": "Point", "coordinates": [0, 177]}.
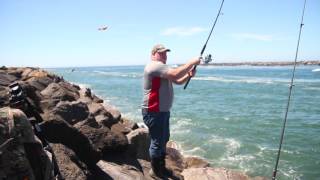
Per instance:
{"type": "Point", "coordinates": [159, 48]}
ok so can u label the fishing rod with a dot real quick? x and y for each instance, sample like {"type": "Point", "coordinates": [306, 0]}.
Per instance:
{"type": "Point", "coordinates": [289, 97]}
{"type": "Point", "coordinates": [205, 45]}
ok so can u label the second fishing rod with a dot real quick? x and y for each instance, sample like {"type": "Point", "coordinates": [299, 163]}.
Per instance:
{"type": "Point", "coordinates": [205, 45]}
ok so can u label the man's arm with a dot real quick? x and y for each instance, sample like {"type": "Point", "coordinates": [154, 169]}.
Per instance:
{"type": "Point", "coordinates": [183, 79]}
{"type": "Point", "coordinates": [180, 74]}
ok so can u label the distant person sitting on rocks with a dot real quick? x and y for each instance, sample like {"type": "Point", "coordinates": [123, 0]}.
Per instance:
{"type": "Point", "coordinates": [157, 102]}
{"type": "Point", "coordinates": [21, 153]}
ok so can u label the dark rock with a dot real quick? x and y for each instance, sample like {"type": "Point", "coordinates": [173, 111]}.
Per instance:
{"type": "Point", "coordinates": [97, 99]}
{"type": "Point", "coordinates": [120, 128]}
{"type": "Point", "coordinates": [16, 72]}
{"type": "Point", "coordinates": [129, 124]}
{"type": "Point", "coordinates": [115, 113]}
{"type": "Point", "coordinates": [97, 109]}
{"type": "Point", "coordinates": [6, 79]}
{"type": "Point", "coordinates": [48, 104]}
{"type": "Point", "coordinates": [105, 120]}
{"type": "Point", "coordinates": [4, 96]}
{"type": "Point", "coordinates": [104, 140]}
{"type": "Point", "coordinates": [72, 112]}
{"type": "Point", "coordinates": [195, 162]}
{"type": "Point", "coordinates": [70, 87]}
{"type": "Point", "coordinates": [127, 172]}
{"type": "Point", "coordinates": [58, 131]}
{"type": "Point", "coordinates": [139, 142]}
{"type": "Point", "coordinates": [40, 83]}
{"type": "Point", "coordinates": [55, 91]}
{"type": "Point", "coordinates": [174, 160]}
{"type": "Point", "coordinates": [90, 121]}
{"type": "Point", "coordinates": [70, 166]}
{"type": "Point", "coordinates": [3, 68]}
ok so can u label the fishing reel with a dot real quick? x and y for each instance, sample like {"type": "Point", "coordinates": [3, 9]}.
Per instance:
{"type": "Point", "coordinates": [207, 59]}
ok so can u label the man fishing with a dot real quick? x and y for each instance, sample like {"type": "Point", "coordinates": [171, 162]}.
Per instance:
{"type": "Point", "coordinates": [157, 101]}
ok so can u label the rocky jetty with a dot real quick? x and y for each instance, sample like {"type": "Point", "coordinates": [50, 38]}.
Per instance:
{"type": "Point", "coordinates": [90, 138]}
{"type": "Point", "coordinates": [270, 63]}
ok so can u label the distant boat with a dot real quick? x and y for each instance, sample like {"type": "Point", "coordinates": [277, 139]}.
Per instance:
{"type": "Point", "coordinates": [316, 70]}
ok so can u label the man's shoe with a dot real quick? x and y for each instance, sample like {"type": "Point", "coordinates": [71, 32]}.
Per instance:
{"type": "Point", "coordinates": [155, 171]}
{"type": "Point", "coordinates": [168, 172]}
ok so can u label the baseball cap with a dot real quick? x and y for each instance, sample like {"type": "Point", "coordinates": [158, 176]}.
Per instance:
{"type": "Point", "coordinates": [159, 48]}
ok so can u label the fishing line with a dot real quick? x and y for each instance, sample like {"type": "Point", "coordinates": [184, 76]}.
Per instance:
{"type": "Point", "coordinates": [289, 97]}
{"type": "Point", "coordinates": [205, 45]}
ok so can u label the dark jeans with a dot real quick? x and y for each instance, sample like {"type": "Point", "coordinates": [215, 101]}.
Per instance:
{"type": "Point", "coordinates": [158, 124]}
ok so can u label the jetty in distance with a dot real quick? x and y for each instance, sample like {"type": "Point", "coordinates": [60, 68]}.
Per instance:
{"type": "Point", "coordinates": [267, 63]}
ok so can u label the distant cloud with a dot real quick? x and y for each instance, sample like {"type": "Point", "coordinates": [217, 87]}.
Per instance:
{"type": "Point", "coordinates": [182, 31]}
{"type": "Point", "coordinates": [253, 36]}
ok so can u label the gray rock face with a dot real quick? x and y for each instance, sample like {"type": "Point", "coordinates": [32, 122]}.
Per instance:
{"type": "Point", "coordinates": [55, 91]}
{"type": "Point", "coordinates": [195, 162]}
{"type": "Point", "coordinates": [120, 128]}
{"type": "Point", "coordinates": [70, 166]}
{"type": "Point", "coordinates": [6, 79]}
{"type": "Point", "coordinates": [139, 142]}
{"type": "Point", "coordinates": [213, 173]}
{"type": "Point", "coordinates": [104, 140]}
{"type": "Point", "coordinates": [121, 172]}
{"type": "Point", "coordinates": [72, 112]}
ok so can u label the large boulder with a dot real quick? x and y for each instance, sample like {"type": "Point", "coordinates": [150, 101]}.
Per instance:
{"type": "Point", "coordinates": [104, 140]}
{"type": "Point", "coordinates": [139, 142]}
{"type": "Point", "coordinates": [195, 162]}
{"type": "Point", "coordinates": [213, 173]}
{"type": "Point", "coordinates": [116, 171]}
{"type": "Point", "coordinates": [120, 128]}
{"type": "Point", "coordinates": [129, 124]}
{"type": "Point", "coordinates": [70, 166]}
{"type": "Point", "coordinates": [58, 131]}
{"type": "Point", "coordinates": [7, 79]}
{"type": "Point", "coordinates": [72, 112]}
{"type": "Point", "coordinates": [56, 91]}
{"type": "Point", "coordinates": [174, 160]}
{"type": "Point", "coordinates": [102, 116]}
{"type": "Point", "coordinates": [4, 95]}
{"type": "Point", "coordinates": [115, 112]}
{"type": "Point", "coordinates": [40, 83]}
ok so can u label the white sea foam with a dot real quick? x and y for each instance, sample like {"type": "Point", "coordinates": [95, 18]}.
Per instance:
{"type": "Point", "coordinates": [119, 74]}
{"type": "Point", "coordinates": [81, 85]}
{"type": "Point", "coordinates": [226, 118]}
{"type": "Point", "coordinates": [255, 80]}
{"type": "Point", "coordinates": [230, 144]}
{"type": "Point", "coordinates": [195, 150]}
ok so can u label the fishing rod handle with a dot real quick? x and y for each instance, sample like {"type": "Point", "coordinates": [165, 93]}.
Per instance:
{"type": "Point", "coordinates": [185, 86]}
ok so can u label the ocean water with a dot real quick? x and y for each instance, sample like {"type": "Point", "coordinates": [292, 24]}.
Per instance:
{"type": "Point", "coordinates": [231, 116]}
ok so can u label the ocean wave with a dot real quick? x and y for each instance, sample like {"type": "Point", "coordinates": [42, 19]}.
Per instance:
{"type": "Point", "coordinates": [119, 74]}
{"type": "Point", "coordinates": [245, 79]}
{"type": "Point", "coordinates": [81, 85]}
{"type": "Point", "coordinates": [195, 150]}
{"type": "Point", "coordinates": [230, 144]}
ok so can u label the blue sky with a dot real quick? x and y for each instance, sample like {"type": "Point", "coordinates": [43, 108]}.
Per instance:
{"type": "Point", "coordinates": [64, 32]}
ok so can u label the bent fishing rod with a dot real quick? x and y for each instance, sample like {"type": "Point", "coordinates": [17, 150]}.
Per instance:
{"type": "Point", "coordinates": [289, 96]}
{"type": "Point", "coordinates": [205, 45]}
